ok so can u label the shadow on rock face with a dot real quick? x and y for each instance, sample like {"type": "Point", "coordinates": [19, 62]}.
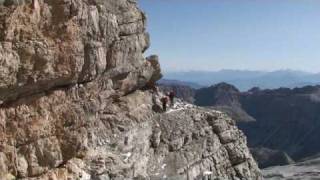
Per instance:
{"type": "Point", "coordinates": [157, 108]}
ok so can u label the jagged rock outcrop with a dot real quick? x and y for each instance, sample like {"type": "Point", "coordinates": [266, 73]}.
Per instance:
{"type": "Point", "coordinates": [72, 42]}
{"type": "Point", "coordinates": [199, 143]}
{"type": "Point", "coordinates": [72, 108]}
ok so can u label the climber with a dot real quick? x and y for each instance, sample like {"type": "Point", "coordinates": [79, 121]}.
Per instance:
{"type": "Point", "coordinates": [155, 89]}
{"type": "Point", "coordinates": [164, 101]}
{"type": "Point", "coordinates": [171, 95]}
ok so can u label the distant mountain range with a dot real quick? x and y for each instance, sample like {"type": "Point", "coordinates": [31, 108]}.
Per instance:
{"type": "Point", "coordinates": [180, 83]}
{"type": "Point", "coordinates": [245, 80]}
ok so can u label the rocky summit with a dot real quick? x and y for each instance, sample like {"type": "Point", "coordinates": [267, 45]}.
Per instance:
{"type": "Point", "coordinates": [76, 105]}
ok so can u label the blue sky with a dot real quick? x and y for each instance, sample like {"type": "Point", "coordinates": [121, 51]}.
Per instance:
{"type": "Point", "coordinates": [234, 34]}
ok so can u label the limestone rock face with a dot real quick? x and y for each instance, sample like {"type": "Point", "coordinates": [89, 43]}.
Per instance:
{"type": "Point", "coordinates": [72, 108]}
{"type": "Point", "coordinates": [197, 143]}
{"type": "Point", "coordinates": [72, 42]}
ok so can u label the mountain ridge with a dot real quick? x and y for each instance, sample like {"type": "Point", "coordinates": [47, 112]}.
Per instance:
{"type": "Point", "coordinates": [245, 80]}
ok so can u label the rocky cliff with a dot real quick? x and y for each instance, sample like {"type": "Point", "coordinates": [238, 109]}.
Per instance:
{"type": "Point", "coordinates": [75, 102]}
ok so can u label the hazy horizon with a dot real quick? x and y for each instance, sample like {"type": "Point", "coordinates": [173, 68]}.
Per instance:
{"type": "Point", "coordinates": [246, 35]}
{"type": "Point", "coordinates": [245, 80]}
{"type": "Point", "coordinates": [243, 70]}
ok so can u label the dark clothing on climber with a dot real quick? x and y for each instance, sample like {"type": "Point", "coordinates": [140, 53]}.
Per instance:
{"type": "Point", "coordinates": [164, 101]}
{"type": "Point", "coordinates": [171, 96]}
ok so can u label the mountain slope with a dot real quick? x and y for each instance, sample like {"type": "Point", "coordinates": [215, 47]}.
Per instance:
{"type": "Point", "coordinates": [287, 120]}
{"type": "Point", "coordinates": [268, 157]}
{"type": "Point", "coordinates": [223, 97]}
